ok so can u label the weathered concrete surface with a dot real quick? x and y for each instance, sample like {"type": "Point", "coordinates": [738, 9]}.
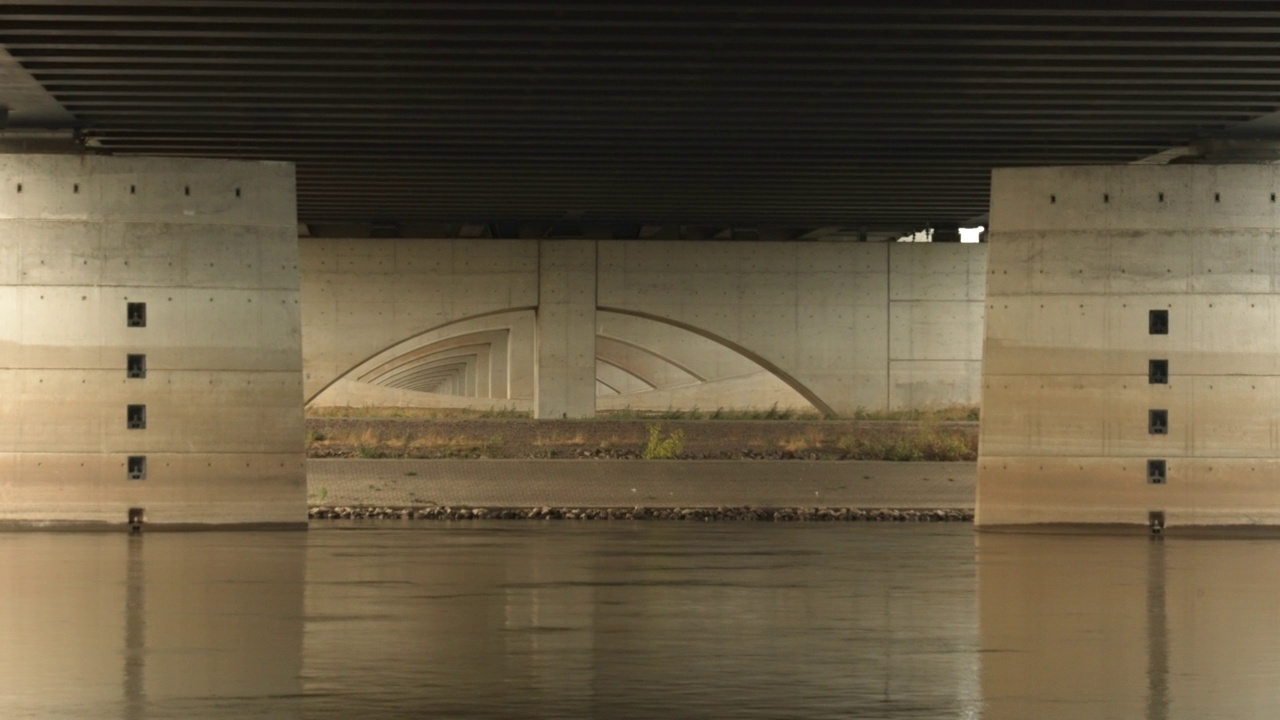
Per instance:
{"type": "Point", "coordinates": [564, 381]}
{"type": "Point", "coordinates": [1079, 257]}
{"type": "Point", "coordinates": [631, 483]}
{"type": "Point", "coordinates": [210, 247]}
{"type": "Point", "coordinates": [936, 297]}
{"type": "Point", "coordinates": [808, 325]}
{"type": "Point", "coordinates": [362, 298]}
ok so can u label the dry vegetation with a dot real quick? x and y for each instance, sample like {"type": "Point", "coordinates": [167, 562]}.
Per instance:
{"type": "Point", "coordinates": [380, 433]}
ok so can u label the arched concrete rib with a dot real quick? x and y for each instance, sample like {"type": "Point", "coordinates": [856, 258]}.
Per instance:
{"type": "Point", "coordinates": [388, 369]}
{"type": "Point", "coordinates": [474, 359]}
{"type": "Point", "coordinates": [429, 373]}
{"type": "Point", "coordinates": [778, 372]}
{"type": "Point", "coordinates": [648, 383]}
{"type": "Point", "coordinates": [434, 328]}
{"type": "Point", "coordinates": [648, 351]}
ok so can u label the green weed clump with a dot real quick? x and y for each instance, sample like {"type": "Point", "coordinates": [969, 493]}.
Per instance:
{"type": "Point", "coordinates": [662, 447]}
{"type": "Point", "coordinates": [950, 413]}
{"type": "Point", "coordinates": [504, 412]}
{"type": "Point", "coordinates": [922, 445]}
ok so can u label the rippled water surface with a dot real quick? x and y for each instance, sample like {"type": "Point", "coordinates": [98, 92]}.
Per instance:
{"type": "Point", "coordinates": [637, 620]}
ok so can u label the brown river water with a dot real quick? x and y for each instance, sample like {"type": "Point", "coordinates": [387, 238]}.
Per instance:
{"type": "Point", "coordinates": [621, 619]}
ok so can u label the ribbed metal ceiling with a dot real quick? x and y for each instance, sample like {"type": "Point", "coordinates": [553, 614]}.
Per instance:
{"type": "Point", "coordinates": [862, 115]}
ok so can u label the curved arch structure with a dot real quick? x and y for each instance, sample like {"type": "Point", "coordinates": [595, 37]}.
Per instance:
{"type": "Point", "coordinates": [482, 361]}
{"type": "Point", "coordinates": [836, 327]}
{"type": "Point", "coordinates": [773, 369]}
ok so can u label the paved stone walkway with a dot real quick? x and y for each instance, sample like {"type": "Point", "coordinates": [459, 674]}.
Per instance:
{"type": "Point", "coordinates": [632, 483]}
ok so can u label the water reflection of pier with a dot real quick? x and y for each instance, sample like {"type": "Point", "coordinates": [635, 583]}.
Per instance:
{"type": "Point", "coordinates": [107, 625]}
{"type": "Point", "coordinates": [1127, 627]}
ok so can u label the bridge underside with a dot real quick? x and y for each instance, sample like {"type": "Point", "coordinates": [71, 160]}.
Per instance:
{"type": "Point", "coordinates": [640, 120]}
{"type": "Point", "coordinates": [647, 204]}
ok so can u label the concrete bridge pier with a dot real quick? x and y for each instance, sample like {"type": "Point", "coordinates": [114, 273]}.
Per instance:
{"type": "Point", "coordinates": [565, 359]}
{"type": "Point", "coordinates": [150, 346]}
{"type": "Point", "coordinates": [1131, 354]}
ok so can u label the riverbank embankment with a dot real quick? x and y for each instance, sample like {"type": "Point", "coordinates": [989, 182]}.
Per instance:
{"type": "Point", "coordinates": [641, 439]}
{"type": "Point", "coordinates": [620, 489]}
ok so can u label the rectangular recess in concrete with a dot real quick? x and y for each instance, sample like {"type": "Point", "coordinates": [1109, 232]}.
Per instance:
{"type": "Point", "coordinates": [137, 465]}
{"type": "Point", "coordinates": [1157, 472]}
{"type": "Point", "coordinates": [136, 314]}
{"type": "Point", "coordinates": [1158, 372]}
{"type": "Point", "coordinates": [136, 366]}
{"type": "Point", "coordinates": [1158, 322]}
{"type": "Point", "coordinates": [136, 417]}
{"type": "Point", "coordinates": [1158, 422]}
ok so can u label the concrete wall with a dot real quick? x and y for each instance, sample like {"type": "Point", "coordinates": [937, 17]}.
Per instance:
{"type": "Point", "coordinates": [509, 349]}
{"type": "Point", "coordinates": [209, 247]}
{"type": "Point", "coordinates": [362, 297]}
{"type": "Point", "coordinates": [1078, 259]}
{"type": "Point", "coordinates": [831, 326]}
{"type": "Point", "coordinates": [847, 325]}
{"type": "Point", "coordinates": [936, 294]}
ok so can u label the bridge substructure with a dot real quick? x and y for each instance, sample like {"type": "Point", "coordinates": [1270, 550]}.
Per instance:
{"type": "Point", "coordinates": [1131, 360]}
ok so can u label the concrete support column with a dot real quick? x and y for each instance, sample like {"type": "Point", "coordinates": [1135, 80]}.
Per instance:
{"type": "Point", "coordinates": [150, 345]}
{"type": "Point", "coordinates": [565, 371]}
{"type": "Point", "coordinates": [1131, 369]}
